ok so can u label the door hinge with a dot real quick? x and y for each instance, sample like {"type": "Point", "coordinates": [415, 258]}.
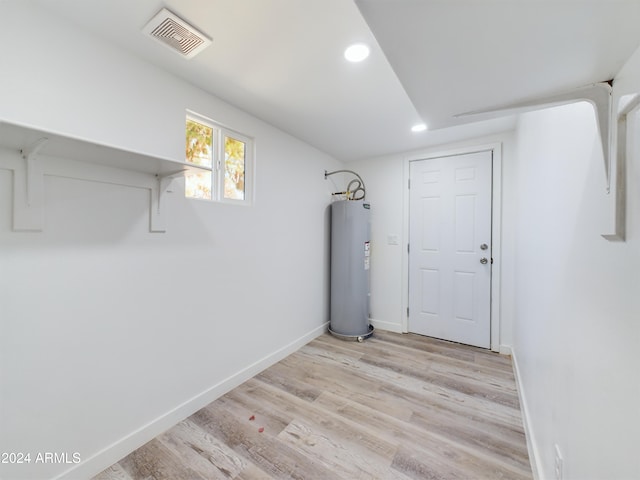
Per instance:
{"type": "Point", "coordinates": [407, 248]}
{"type": "Point", "coordinates": [409, 184]}
{"type": "Point", "coordinates": [407, 312]}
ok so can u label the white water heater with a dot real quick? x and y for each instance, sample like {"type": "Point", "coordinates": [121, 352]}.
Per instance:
{"type": "Point", "coordinates": [350, 263]}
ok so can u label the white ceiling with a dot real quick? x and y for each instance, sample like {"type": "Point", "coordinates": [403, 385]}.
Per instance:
{"type": "Point", "coordinates": [281, 60]}
{"type": "Point", "coordinates": [457, 56]}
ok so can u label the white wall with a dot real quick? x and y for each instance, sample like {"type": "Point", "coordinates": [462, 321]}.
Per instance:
{"type": "Point", "coordinates": [569, 299]}
{"type": "Point", "coordinates": [577, 318]}
{"type": "Point", "coordinates": [385, 178]}
{"type": "Point", "coordinates": [110, 333]}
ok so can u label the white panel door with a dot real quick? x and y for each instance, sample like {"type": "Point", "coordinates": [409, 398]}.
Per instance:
{"type": "Point", "coordinates": [450, 248]}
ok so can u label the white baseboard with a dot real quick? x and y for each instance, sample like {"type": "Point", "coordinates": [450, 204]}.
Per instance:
{"type": "Point", "coordinates": [534, 456]}
{"type": "Point", "coordinates": [388, 326]}
{"type": "Point", "coordinates": [505, 350]}
{"type": "Point", "coordinates": [113, 453]}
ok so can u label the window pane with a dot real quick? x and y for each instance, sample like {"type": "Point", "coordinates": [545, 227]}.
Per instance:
{"type": "Point", "coordinates": [198, 185]}
{"type": "Point", "coordinates": [234, 159]}
{"type": "Point", "coordinates": [199, 144]}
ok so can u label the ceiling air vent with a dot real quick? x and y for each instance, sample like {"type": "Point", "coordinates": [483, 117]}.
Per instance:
{"type": "Point", "coordinates": [177, 34]}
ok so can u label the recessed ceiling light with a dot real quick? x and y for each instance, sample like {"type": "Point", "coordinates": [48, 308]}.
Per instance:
{"type": "Point", "coordinates": [420, 127]}
{"type": "Point", "coordinates": [356, 52]}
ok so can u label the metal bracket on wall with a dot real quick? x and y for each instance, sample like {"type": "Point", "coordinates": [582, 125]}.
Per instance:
{"type": "Point", "coordinates": [28, 186]}
{"type": "Point", "coordinates": [617, 173]}
{"type": "Point", "coordinates": [157, 220]}
{"type": "Point", "coordinates": [599, 95]}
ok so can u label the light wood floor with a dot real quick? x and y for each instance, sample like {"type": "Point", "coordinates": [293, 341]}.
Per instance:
{"type": "Point", "coordinates": [393, 407]}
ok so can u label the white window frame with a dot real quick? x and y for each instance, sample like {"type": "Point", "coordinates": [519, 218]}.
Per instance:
{"type": "Point", "coordinates": [218, 168]}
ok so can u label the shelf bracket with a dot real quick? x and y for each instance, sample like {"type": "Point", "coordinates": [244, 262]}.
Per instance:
{"type": "Point", "coordinates": [612, 129]}
{"type": "Point", "coordinates": [28, 190]}
{"type": "Point", "coordinates": [28, 154]}
{"type": "Point", "coordinates": [627, 104]}
{"type": "Point", "coordinates": [157, 219]}
{"type": "Point", "coordinates": [597, 94]}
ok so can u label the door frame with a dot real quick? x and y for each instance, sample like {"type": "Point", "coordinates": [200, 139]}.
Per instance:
{"type": "Point", "coordinates": [496, 236]}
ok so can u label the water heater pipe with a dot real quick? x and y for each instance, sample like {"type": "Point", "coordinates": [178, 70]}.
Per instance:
{"type": "Point", "coordinates": [351, 194]}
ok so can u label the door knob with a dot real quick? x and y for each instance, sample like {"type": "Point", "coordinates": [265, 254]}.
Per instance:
{"type": "Point", "coordinates": [484, 260]}
{"type": "Point", "coordinates": [484, 246]}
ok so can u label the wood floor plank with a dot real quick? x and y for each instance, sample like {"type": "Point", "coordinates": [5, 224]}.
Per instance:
{"type": "Point", "coordinates": [419, 360]}
{"type": "Point", "coordinates": [496, 443]}
{"type": "Point", "coordinates": [434, 439]}
{"type": "Point", "coordinates": [469, 386]}
{"type": "Point", "coordinates": [325, 422]}
{"type": "Point", "coordinates": [204, 453]}
{"type": "Point", "coordinates": [372, 376]}
{"type": "Point", "coordinates": [261, 448]}
{"type": "Point", "coordinates": [426, 344]}
{"type": "Point", "coordinates": [253, 473]}
{"type": "Point", "coordinates": [396, 406]}
{"type": "Point", "coordinates": [419, 465]}
{"type": "Point", "coordinates": [364, 389]}
{"type": "Point", "coordinates": [153, 460]}
{"type": "Point", "coordinates": [351, 459]}
{"type": "Point", "coordinates": [287, 380]}
{"type": "Point", "coordinates": [114, 472]}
